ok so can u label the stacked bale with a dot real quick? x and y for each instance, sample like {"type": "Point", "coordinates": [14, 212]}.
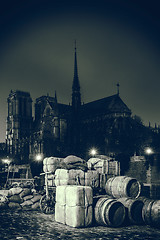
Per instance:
{"type": "Point", "coordinates": [74, 205]}
{"type": "Point", "coordinates": [69, 177]}
{"type": "Point", "coordinates": [14, 199]}
{"type": "Point", "coordinates": [74, 162]}
{"type": "Point", "coordinates": [92, 179]}
{"type": "Point", "coordinates": [63, 169]}
{"type": "Point", "coordinates": [20, 198]}
{"type": "Point", "coordinates": [31, 199]}
{"type": "Point", "coordinates": [51, 164]}
{"type": "Point", "coordinates": [104, 165]}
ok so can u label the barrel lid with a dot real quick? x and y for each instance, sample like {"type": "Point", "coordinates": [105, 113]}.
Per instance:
{"type": "Point", "coordinates": [133, 188]}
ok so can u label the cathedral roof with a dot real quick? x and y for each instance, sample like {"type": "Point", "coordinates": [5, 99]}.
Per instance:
{"type": "Point", "coordinates": [111, 104]}
{"type": "Point", "coordinates": [63, 109]}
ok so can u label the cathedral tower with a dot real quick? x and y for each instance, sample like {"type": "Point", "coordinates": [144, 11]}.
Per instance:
{"type": "Point", "coordinates": [19, 121]}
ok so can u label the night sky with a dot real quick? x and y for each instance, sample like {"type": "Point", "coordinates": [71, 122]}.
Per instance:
{"type": "Point", "coordinates": [117, 41]}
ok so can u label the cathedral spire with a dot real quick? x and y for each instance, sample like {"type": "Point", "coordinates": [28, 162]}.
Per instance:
{"type": "Point", "coordinates": [55, 96]}
{"type": "Point", "coordinates": [76, 96]}
{"type": "Point", "coordinates": [76, 85]}
{"type": "Point", "coordinates": [118, 89]}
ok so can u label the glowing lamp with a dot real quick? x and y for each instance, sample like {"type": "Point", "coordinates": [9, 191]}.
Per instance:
{"type": "Point", "coordinates": [6, 161]}
{"type": "Point", "coordinates": [39, 157]}
{"type": "Point", "coordinates": [93, 152]}
{"type": "Point", "coordinates": [149, 151]}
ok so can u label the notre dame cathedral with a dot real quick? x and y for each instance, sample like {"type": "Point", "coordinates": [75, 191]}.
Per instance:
{"type": "Point", "coordinates": [59, 129]}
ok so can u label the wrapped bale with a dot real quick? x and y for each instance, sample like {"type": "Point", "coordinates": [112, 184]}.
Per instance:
{"type": "Point", "coordinates": [51, 164]}
{"type": "Point", "coordinates": [74, 205]}
{"type": "Point", "coordinates": [60, 213]}
{"type": "Point", "coordinates": [103, 180]}
{"type": "Point", "coordinates": [92, 179]}
{"type": "Point", "coordinates": [74, 162]}
{"type": "Point", "coordinates": [71, 159]}
{"type": "Point", "coordinates": [123, 186]}
{"type": "Point", "coordinates": [69, 177]}
{"type": "Point", "coordinates": [60, 206]}
{"type": "Point", "coordinates": [104, 166]}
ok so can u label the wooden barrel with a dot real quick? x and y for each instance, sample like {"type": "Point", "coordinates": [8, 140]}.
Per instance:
{"type": "Point", "coordinates": [109, 212]}
{"type": "Point", "coordinates": [134, 209]}
{"type": "Point", "coordinates": [144, 199]}
{"type": "Point", "coordinates": [123, 186]}
{"type": "Point", "coordinates": [151, 212]}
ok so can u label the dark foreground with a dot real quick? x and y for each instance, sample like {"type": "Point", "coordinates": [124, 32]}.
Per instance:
{"type": "Point", "coordinates": [33, 225]}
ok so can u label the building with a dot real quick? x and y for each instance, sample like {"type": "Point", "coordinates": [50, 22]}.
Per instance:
{"type": "Point", "coordinates": [63, 129]}
{"type": "Point", "coordinates": [19, 123]}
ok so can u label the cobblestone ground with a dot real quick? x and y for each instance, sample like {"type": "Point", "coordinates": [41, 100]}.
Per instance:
{"type": "Point", "coordinates": [33, 225]}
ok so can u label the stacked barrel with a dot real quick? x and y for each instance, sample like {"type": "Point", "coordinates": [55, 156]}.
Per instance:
{"type": "Point", "coordinates": [109, 212]}
{"type": "Point", "coordinates": [120, 205]}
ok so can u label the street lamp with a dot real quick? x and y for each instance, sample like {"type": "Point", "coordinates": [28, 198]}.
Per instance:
{"type": "Point", "coordinates": [93, 152]}
{"type": "Point", "coordinates": [7, 161]}
{"type": "Point", "coordinates": [148, 151]}
{"type": "Point", "coordinates": [39, 157]}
